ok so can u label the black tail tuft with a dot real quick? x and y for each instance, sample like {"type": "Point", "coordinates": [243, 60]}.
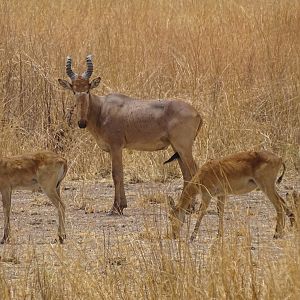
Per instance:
{"type": "Point", "coordinates": [173, 157]}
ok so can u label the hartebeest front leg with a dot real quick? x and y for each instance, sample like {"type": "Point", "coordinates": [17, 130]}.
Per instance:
{"type": "Point", "coordinates": [120, 201]}
{"type": "Point", "coordinates": [6, 200]}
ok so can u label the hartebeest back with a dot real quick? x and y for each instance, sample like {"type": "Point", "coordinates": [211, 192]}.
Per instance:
{"type": "Point", "coordinates": [236, 174]}
{"type": "Point", "coordinates": [40, 170]}
{"type": "Point", "coordinates": [117, 121]}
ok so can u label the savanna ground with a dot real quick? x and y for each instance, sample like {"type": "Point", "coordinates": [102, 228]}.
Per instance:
{"type": "Point", "coordinates": [237, 62]}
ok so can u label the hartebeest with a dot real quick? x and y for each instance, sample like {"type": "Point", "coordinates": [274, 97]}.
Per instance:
{"type": "Point", "coordinates": [236, 174]}
{"type": "Point", "coordinates": [117, 121]}
{"type": "Point", "coordinates": [40, 170]}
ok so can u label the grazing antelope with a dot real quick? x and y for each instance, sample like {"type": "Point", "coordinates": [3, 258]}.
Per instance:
{"type": "Point", "coordinates": [236, 174]}
{"type": "Point", "coordinates": [117, 121]}
{"type": "Point", "coordinates": [40, 170]}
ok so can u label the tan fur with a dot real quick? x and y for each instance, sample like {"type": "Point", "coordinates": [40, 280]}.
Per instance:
{"type": "Point", "coordinates": [35, 171]}
{"type": "Point", "coordinates": [236, 174]}
{"type": "Point", "coordinates": [117, 122]}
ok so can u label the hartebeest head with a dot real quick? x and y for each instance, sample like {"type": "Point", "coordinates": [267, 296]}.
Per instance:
{"type": "Point", "coordinates": [81, 87]}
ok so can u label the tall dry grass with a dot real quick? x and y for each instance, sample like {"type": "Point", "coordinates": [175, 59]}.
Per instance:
{"type": "Point", "coordinates": [139, 268]}
{"type": "Point", "coordinates": [237, 62]}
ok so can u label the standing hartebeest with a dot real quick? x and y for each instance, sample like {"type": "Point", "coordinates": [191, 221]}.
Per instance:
{"type": "Point", "coordinates": [236, 174]}
{"type": "Point", "coordinates": [43, 170]}
{"type": "Point", "coordinates": [117, 121]}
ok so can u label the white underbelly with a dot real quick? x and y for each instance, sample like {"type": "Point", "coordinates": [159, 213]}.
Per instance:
{"type": "Point", "coordinates": [154, 146]}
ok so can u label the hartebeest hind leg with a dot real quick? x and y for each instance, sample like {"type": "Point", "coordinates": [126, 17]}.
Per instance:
{"type": "Point", "coordinates": [181, 138]}
{"type": "Point", "coordinates": [6, 201]}
{"type": "Point", "coordinates": [187, 166]}
{"type": "Point", "coordinates": [187, 174]}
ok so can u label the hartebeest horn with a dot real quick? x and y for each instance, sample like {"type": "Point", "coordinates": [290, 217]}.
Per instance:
{"type": "Point", "coordinates": [69, 70]}
{"type": "Point", "coordinates": [89, 71]}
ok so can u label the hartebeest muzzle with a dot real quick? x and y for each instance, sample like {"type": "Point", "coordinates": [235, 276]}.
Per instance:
{"type": "Point", "coordinates": [82, 104]}
{"type": "Point", "coordinates": [82, 123]}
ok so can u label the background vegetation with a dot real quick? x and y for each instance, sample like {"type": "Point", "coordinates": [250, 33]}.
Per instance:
{"type": "Point", "coordinates": [236, 61]}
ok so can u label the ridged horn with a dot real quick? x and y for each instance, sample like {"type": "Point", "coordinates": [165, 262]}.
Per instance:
{"type": "Point", "coordinates": [69, 70]}
{"type": "Point", "coordinates": [89, 71]}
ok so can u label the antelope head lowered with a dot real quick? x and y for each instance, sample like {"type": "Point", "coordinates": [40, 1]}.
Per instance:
{"type": "Point", "coordinates": [117, 121]}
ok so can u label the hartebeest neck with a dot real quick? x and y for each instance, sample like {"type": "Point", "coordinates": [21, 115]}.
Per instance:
{"type": "Point", "coordinates": [94, 112]}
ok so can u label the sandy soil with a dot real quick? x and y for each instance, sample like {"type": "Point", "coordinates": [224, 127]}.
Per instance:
{"type": "Point", "coordinates": [34, 223]}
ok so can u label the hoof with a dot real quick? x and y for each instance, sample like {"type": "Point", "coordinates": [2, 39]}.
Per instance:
{"type": "Point", "coordinates": [4, 241]}
{"type": "Point", "coordinates": [115, 212]}
{"type": "Point", "coordinates": [62, 238]}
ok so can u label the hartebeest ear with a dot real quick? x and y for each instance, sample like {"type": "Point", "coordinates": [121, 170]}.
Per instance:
{"type": "Point", "coordinates": [65, 84]}
{"type": "Point", "coordinates": [171, 202]}
{"type": "Point", "coordinates": [95, 82]}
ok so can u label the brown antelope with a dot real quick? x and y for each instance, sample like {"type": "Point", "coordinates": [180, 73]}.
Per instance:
{"type": "Point", "coordinates": [40, 170]}
{"type": "Point", "coordinates": [117, 121]}
{"type": "Point", "coordinates": [236, 174]}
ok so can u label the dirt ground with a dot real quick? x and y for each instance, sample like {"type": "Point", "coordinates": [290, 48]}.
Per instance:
{"type": "Point", "coordinates": [34, 220]}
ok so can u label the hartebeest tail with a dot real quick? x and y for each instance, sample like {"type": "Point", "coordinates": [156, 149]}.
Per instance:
{"type": "Point", "coordinates": [173, 157]}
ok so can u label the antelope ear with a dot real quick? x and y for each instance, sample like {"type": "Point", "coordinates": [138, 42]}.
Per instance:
{"type": "Point", "coordinates": [171, 202]}
{"type": "Point", "coordinates": [95, 82]}
{"type": "Point", "coordinates": [65, 84]}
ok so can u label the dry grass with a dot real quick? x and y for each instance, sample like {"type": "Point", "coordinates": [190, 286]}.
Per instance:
{"type": "Point", "coordinates": [237, 62]}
